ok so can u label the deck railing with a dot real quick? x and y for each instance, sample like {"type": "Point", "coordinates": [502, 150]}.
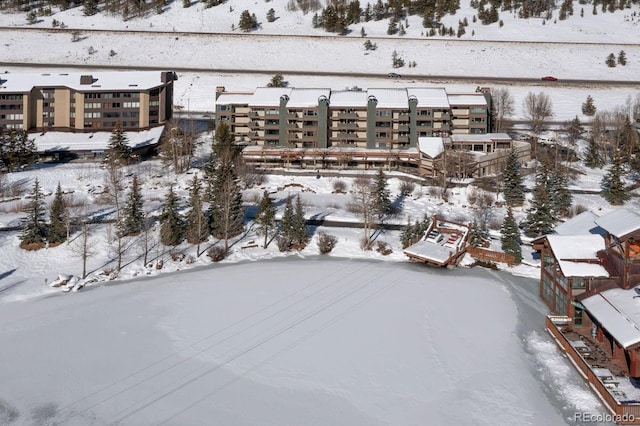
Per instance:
{"type": "Point", "coordinates": [624, 414]}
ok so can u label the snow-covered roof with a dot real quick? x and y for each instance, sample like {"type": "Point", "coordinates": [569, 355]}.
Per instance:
{"type": "Point", "coordinates": [430, 250]}
{"type": "Point", "coordinates": [577, 254]}
{"type": "Point", "coordinates": [468, 99]}
{"type": "Point", "coordinates": [584, 223]}
{"type": "Point", "coordinates": [618, 311]}
{"type": "Point", "coordinates": [484, 137]}
{"type": "Point", "coordinates": [431, 146]}
{"type": "Point", "coordinates": [390, 98]}
{"type": "Point", "coordinates": [102, 81]}
{"type": "Point", "coordinates": [348, 98]}
{"type": "Point", "coordinates": [429, 97]}
{"type": "Point", "coordinates": [269, 96]}
{"type": "Point", "coordinates": [226, 98]}
{"type": "Point", "coordinates": [620, 222]}
{"type": "Point", "coordinates": [99, 141]}
{"type": "Point", "coordinates": [306, 98]}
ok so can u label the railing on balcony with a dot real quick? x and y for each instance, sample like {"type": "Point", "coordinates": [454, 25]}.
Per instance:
{"type": "Point", "coordinates": [347, 125]}
{"type": "Point", "coordinates": [347, 115]}
{"type": "Point", "coordinates": [628, 414]}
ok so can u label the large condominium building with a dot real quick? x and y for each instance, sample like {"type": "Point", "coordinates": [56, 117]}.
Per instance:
{"type": "Point", "coordinates": [86, 102]}
{"type": "Point", "coordinates": [376, 118]}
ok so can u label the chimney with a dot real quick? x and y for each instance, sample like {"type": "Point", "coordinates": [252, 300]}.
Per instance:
{"type": "Point", "coordinates": [86, 79]}
{"type": "Point", "coordinates": [219, 89]}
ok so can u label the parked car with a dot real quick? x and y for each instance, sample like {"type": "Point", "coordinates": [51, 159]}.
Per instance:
{"type": "Point", "coordinates": [549, 78]}
{"type": "Point", "coordinates": [393, 75]}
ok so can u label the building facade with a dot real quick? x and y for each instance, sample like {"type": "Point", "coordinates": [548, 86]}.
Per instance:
{"type": "Point", "coordinates": [86, 102]}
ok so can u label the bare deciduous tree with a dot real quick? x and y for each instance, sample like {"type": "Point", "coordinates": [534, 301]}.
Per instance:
{"type": "Point", "coordinates": [503, 107]}
{"type": "Point", "coordinates": [537, 108]}
{"type": "Point", "coordinates": [363, 190]}
{"type": "Point", "coordinates": [115, 185]}
{"type": "Point", "coordinates": [177, 148]}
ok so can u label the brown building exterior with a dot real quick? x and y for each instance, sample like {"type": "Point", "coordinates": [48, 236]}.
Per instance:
{"type": "Point", "coordinates": [86, 102]}
{"type": "Point", "coordinates": [592, 279]}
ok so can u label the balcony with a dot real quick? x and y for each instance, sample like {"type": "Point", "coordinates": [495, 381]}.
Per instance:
{"type": "Point", "coordinates": [253, 114]}
{"type": "Point", "coordinates": [347, 125]}
{"type": "Point", "coordinates": [347, 115]}
{"type": "Point", "coordinates": [403, 127]}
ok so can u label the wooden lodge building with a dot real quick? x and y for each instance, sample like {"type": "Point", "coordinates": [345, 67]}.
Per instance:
{"type": "Point", "coordinates": [590, 280]}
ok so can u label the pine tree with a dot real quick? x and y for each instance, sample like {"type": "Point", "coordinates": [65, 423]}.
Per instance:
{"type": "Point", "coordinates": [265, 219]}
{"type": "Point", "coordinates": [622, 58]}
{"type": "Point", "coordinates": [588, 108]}
{"type": "Point", "coordinates": [90, 7]}
{"type": "Point", "coordinates": [539, 219]}
{"type": "Point", "coordinates": [226, 213]}
{"type": "Point", "coordinates": [381, 201]}
{"type": "Point", "coordinates": [34, 228]}
{"type": "Point", "coordinates": [512, 181]}
{"type": "Point", "coordinates": [611, 60]}
{"type": "Point", "coordinates": [132, 215]}
{"type": "Point", "coordinates": [286, 224]}
{"type": "Point", "coordinates": [16, 149]}
{"type": "Point", "coordinates": [196, 227]}
{"type": "Point", "coordinates": [171, 227]}
{"type": "Point", "coordinates": [407, 236]}
{"type": "Point", "coordinates": [277, 81]}
{"type": "Point", "coordinates": [560, 196]}
{"type": "Point", "coordinates": [271, 15]}
{"type": "Point", "coordinates": [476, 237]}
{"type": "Point", "coordinates": [118, 151]}
{"type": "Point", "coordinates": [613, 189]}
{"type": "Point", "coordinates": [298, 225]}
{"type": "Point", "coordinates": [58, 216]}
{"type": "Point", "coordinates": [247, 22]}
{"type": "Point", "coordinates": [593, 158]}
{"type": "Point", "coordinates": [510, 237]}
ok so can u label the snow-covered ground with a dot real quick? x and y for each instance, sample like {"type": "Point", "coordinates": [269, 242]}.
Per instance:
{"type": "Point", "coordinates": [340, 342]}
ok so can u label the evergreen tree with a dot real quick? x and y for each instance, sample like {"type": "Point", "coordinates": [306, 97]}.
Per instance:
{"type": "Point", "coordinates": [512, 181]}
{"type": "Point", "coordinates": [277, 81]}
{"type": "Point", "coordinates": [196, 227]}
{"type": "Point", "coordinates": [593, 158]}
{"type": "Point", "coordinates": [381, 201]}
{"type": "Point", "coordinates": [588, 107]}
{"type": "Point", "coordinates": [298, 225]}
{"type": "Point", "coordinates": [510, 237]}
{"type": "Point", "coordinates": [612, 184]}
{"type": "Point", "coordinates": [225, 214]}
{"type": "Point", "coordinates": [265, 219]}
{"type": "Point", "coordinates": [407, 236]}
{"type": "Point", "coordinates": [90, 7]}
{"type": "Point", "coordinates": [171, 227]}
{"type": "Point", "coordinates": [287, 224]}
{"type": "Point", "coordinates": [132, 221]}
{"type": "Point", "coordinates": [58, 215]}
{"type": "Point", "coordinates": [611, 60]}
{"type": "Point", "coordinates": [34, 228]}
{"type": "Point", "coordinates": [118, 151]}
{"type": "Point", "coordinates": [247, 22]}
{"type": "Point", "coordinates": [539, 219]}
{"type": "Point", "coordinates": [271, 15]}
{"type": "Point", "coordinates": [622, 58]}
{"type": "Point", "coordinates": [476, 237]}
{"type": "Point", "coordinates": [558, 189]}
{"type": "Point", "coordinates": [16, 149]}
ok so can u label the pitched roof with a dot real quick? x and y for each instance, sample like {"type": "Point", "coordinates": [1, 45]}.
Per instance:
{"type": "Point", "coordinates": [101, 81]}
{"type": "Point", "coordinates": [620, 222]}
{"type": "Point", "coordinates": [577, 254]}
{"type": "Point", "coordinates": [584, 223]}
{"type": "Point", "coordinates": [431, 146]}
{"type": "Point", "coordinates": [618, 311]}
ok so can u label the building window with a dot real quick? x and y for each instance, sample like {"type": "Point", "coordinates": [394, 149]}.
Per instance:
{"type": "Point", "coordinates": [578, 283]}
{"type": "Point", "coordinates": [561, 302]}
{"type": "Point", "coordinates": [547, 289]}
{"type": "Point", "coordinates": [578, 316]}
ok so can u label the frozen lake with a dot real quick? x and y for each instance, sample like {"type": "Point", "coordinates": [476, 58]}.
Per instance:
{"type": "Point", "coordinates": [289, 341]}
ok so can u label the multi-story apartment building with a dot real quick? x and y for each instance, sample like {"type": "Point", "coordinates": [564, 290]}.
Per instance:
{"type": "Point", "coordinates": [375, 118]}
{"type": "Point", "coordinates": [351, 127]}
{"type": "Point", "coordinates": [86, 102]}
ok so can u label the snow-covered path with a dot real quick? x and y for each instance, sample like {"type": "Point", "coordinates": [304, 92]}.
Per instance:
{"type": "Point", "coordinates": [278, 342]}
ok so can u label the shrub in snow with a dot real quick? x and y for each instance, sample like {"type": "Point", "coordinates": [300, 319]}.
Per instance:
{"type": "Point", "coordinates": [177, 256]}
{"type": "Point", "coordinates": [366, 244]}
{"type": "Point", "coordinates": [284, 243]}
{"type": "Point", "coordinates": [340, 186]}
{"type": "Point", "coordinates": [383, 248]}
{"type": "Point", "coordinates": [217, 253]}
{"type": "Point", "coordinates": [326, 242]}
{"type": "Point", "coordinates": [407, 188]}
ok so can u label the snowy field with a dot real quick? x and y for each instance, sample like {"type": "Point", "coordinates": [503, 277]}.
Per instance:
{"type": "Point", "coordinates": [311, 342]}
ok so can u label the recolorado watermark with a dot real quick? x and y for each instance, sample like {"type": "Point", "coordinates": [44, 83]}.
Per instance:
{"type": "Point", "coordinates": [602, 417]}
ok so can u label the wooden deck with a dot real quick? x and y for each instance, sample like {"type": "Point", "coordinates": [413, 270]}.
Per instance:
{"type": "Point", "coordinates": [590, 363]}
